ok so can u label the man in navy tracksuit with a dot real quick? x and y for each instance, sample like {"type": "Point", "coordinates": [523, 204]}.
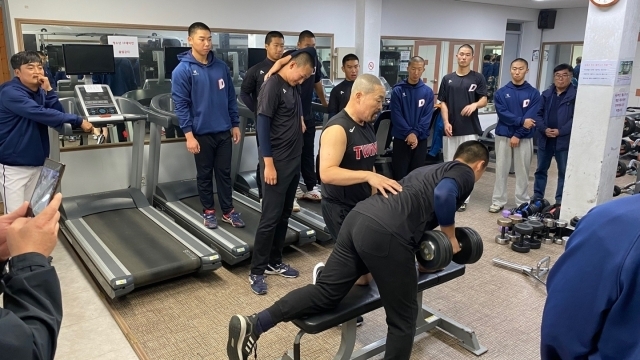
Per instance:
{"type": "Point", "coordinates": [28, 107]}
{"type": "Point", "coordinates": [553, 131]}
{"type": "Point", "coordinates": [205, 103]}
{"type": "Point", "coordinates": [517, 105]}
{"type": "Point", "coordinates": [593, 289]}
{"type": "Point", "coordinates": [411, 112]}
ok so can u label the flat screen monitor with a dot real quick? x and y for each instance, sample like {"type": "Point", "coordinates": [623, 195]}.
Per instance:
{"type": "Point", "coordinates": [171, 59]}
{"type": "Point", "coordinates": [81, 59]}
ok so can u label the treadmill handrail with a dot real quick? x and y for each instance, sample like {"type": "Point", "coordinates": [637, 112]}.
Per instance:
{"type": "Point", "coordinates": [133, 107]}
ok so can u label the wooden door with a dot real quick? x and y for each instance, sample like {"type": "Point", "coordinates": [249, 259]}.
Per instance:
{"type": "Point", "coordinates": [5, 72]}
{"type": "Point", "coordinates": [430, 51]}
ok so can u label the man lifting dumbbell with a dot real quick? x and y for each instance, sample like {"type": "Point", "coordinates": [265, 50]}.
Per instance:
{"type": "Point", "coordinates": [379, 234]}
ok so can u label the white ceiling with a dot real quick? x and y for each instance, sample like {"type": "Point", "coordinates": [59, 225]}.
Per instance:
{"type": "Point", "coordinates": [533, 4]}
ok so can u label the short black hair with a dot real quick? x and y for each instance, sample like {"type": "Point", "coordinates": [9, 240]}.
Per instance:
{"type": "Point", "coordinates": [349, 57]}
{"type": "Point", "coordinates": [41, 53]}
{"type": "Point", "coordinates": [272, 35]}
{"type": "Point", "coordinates": [305, 34]}
{"type": "Point", "coordinates": [487, 57]}
{"type": "Point", "coordinates": [563, 67]}
{"type": "Point", "coordinates": [24, 58]}
{"type": "Point", "coordinates": [104, 39]}
{"type": "Point", "coordinates": [526, 63]}
{"type": "Point", "coordinates": [578, 59]}
{"type": "Point", "coordinates": [472, 151]}
{"type": "Point", "coordinates": [198, 26]}
{"type": "Point", "coordinates": [416, 59]}
{"type": "Point", "coordinates": [303, 58]}
{"type": "Point", "coordinates": [466, 46]}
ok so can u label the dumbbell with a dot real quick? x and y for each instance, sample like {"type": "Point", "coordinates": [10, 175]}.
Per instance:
{"type": "Point", "coordinates": [548, 225]}
{"type": "Point", "coordinates": [574, 221]}
{"type": "Point", "coordinates": [560, 226]}
{"type": "Point", "coordinates": [524, 231]}
{"type": "Point", "coordinates": [504, 227]}
{"type": "Point", "coordinates": [535, 241]}
{"type": "Point", "coordinates": [515, 219]}
{"type": "Point", "coordinates": [435, 250]}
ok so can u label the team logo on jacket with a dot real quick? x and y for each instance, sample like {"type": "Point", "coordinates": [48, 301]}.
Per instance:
{"type": "Point", "coordinates": [195, 72]}
{"type": "Point", "coordinates": [421, 103]}
{"type": "Point", "coordinates": [365, 151]}
{"type": "Point", "coordinates": [221, 84]}
{"type": "Point", "coordinates": [473, 87]}
{"type": "Point", "coordinates": [525, 103]}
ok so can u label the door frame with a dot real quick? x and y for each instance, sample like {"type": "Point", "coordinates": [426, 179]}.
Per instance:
{"type": "Point", "coordinates": [436, 74]}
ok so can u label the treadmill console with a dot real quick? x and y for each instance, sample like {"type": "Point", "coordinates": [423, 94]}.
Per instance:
{"type": "Point", "coordinates": [97, 100]}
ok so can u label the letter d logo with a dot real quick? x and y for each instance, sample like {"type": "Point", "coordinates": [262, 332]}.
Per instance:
{"type": "Point", "coordinates": [421, 103]}
{"type": "Point", "coordinates": [221, 84]}
{"type": "Point", "coordinates": [525, 103]}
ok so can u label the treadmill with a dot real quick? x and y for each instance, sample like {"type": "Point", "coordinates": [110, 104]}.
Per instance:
{"type": "Point", "coordinates": [179, 199]}
{"type": "Point", "coordinates": [121, 238]}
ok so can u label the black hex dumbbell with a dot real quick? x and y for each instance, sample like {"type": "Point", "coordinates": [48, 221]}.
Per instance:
{"type": "Point", "coordinates": [548, 225]}
{"type": "Point", "coordinates": [560, 226]}
{"type": "Point", "coordinates": [535, 240]}
{"type": "Point", "coordinates": [504, 224]}
{"type": "Point", "coordinates": [515, 219]}
{"type": "Point", "coordinates": [522, 245]}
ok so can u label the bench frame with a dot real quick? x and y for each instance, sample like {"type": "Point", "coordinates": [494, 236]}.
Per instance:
{"type": "Point", "coordinates": [427, 319]}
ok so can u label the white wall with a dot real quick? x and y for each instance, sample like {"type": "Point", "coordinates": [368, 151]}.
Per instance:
{"type": "Point", "coordinates": [570, 26]}
{"type": "Point", "coordinates": [250, 15]}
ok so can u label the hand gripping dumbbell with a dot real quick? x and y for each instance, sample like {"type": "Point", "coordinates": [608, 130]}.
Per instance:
{"type": "Point", "coordinates": [504, 228]}
{"type": "Point", "coordinates": [522, 244]}
{"type": "Point", "coordinates": [535, 240]}
{"type": "Point", "coordinates": [436, 252]}
{"type": "Point", "coordinates": [560, 226]}
{"type": "Point", "coordinates": [548, 225]}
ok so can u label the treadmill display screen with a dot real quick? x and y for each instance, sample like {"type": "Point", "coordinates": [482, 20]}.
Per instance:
{"type": "Point", "coordinates": [97, 100]}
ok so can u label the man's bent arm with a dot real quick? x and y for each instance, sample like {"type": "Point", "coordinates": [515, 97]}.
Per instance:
{"type": "Point", "coordinates": [334, 145]}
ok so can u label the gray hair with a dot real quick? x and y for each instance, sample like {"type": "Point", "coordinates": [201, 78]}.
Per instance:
{"type": "Point", "coordinates": [366, 83]}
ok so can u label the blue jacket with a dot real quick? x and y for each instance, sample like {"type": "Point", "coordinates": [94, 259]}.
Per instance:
{"type": "Point", "coordinates": [25, 116]}
{"type": "Point", "coordinates": [120, 82]}
{"type": "Point", "coordinates": [411, 110]}
{"type": "Point", "coordinates": [565, 118]}
{"type": "Point", "coordinates": [204, 96]}
{"type": "Point", "coordinates": [514, 105]}
{"type": "Point", "coordinates": [593, 289]}
{"type": "Point", "coordinates": [437, 140]}
{"type": "Point", "coordinates": [487, 70]}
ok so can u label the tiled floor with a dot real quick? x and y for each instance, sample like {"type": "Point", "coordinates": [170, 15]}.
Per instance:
{"type": "Point", "coordinates": [88, 329]}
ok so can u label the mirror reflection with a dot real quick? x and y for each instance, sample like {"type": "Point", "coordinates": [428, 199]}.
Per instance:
{"type": "Point", "coordinates": [439, 55]}
{"type": "Point", "coordinates": [555, 54]}
{"type": "Point", "coordinates": [148, 57]}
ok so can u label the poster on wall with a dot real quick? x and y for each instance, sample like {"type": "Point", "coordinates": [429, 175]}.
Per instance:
{"type": "Point", "coordinates": [546, 55]}
{"type": "Point", "coordinates": [598, 72]}
{"type": "Point", "coordinates": [536, 55]}
{"type": "Point", "coordinates": [404, 66]}
{"type": "Point", "coordinates": [625, 69]}
{"type": "Point", "coordinates": [124, 46]}
{"type": "Point", "coordinates": [619, 102]}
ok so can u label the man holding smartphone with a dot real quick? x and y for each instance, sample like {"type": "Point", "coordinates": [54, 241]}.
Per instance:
{"type": "Point", "coordinates": [28, 107]}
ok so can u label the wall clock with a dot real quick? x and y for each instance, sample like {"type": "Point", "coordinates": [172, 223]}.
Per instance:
{"type": "Point", "coordinates": [604, 3]}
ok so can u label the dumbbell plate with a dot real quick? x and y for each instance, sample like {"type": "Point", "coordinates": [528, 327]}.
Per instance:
{"type": "Point", "coordinates": [504, 222]}
{"type": "Point", "coordinates": [471, 246]}
{"type": "Point", "coordinates": [435, 251]}
{"type": "Point", "coordinates": [523, 228]}
{"type": "Point", "coordinates": [515, 219]}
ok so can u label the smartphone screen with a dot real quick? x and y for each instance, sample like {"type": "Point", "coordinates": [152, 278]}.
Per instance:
{"type": "Point", "coordinates": [45, 187]}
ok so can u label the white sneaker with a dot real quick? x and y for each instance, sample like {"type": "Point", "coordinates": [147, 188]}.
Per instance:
{"type": "Point", "coordinates": [296, 206]}
{"type": "Point", "coordinates": [316, 271]}
{"type": "Point", "coordinates": [299, 193]}
{"type": "Point", "coordinates": [313, 194]}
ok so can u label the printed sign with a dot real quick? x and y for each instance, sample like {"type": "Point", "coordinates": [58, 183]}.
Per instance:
{"type": "Point", "coordinates": [124, 46]}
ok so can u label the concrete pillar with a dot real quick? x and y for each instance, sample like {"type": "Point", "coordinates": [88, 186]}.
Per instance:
{"type": "Point", "coordinates": [611, 36]}
{"type": "Point", "coordinates": [368, 23]}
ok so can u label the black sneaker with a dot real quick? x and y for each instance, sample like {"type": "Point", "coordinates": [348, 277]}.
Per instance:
{"type": "Point", "coordinates": [242, 337]}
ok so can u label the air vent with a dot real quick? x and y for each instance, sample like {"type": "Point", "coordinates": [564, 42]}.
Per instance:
{"type": "Point", "coordinates": [514, 27]}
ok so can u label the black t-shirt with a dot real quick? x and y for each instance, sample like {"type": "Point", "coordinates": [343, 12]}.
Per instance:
{"type": "Point", "coordinates": [254, 78]}
{"type": "Point", "coordinates": [281, 102]}
{"type": "Point", "coordinates": [459, 91]}
{"type": "Point", "coordinates": [339, 97]}
{"type": "Point", "coordinates": [360, 154]}
{"type": "Point", "coordinates": [411, 212]}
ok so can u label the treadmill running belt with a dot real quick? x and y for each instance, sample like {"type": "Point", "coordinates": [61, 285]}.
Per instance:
{"type": "Point", "coordinates": [311, 205]}
{"type": "Point", "coordinates": [250, 217]}
{"type": "Point", "coordinates": [143, 247]}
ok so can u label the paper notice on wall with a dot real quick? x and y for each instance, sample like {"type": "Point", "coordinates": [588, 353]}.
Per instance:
{"type": "Point", "coordinates": [625, 68]}
{"type": "Point", "coordinates": [405, 55]}
{"type": "Point", "coordinates": [598, 72]}
{"type": "Point", "coordinates": [404, 66]}
{"type": "Point", "coordinates": [619, 103]}
{"type": "Point", "coordinates": [124, 46]}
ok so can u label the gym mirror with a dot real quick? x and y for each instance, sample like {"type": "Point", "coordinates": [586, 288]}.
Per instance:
{"type": "Point", "coordinates": [439, 55]}
{"type": "Point", "coordinates": [555, 54]}
{"type": "Point", "coordinates": [232, 46]}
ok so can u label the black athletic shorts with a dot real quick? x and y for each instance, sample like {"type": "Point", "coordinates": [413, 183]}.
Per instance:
{"type": "Point", "coordinates": [333, 215]}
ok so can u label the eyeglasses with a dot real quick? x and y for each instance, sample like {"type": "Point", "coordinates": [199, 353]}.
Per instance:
{"type": "Point", "coordinates": [561, 76]}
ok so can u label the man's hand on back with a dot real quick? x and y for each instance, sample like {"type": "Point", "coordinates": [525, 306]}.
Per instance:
{"type": "Point", "coordinates": [38, 234]}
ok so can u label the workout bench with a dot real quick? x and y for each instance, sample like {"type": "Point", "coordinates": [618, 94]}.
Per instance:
{"type": "Point", "coordinates": [364, 299]}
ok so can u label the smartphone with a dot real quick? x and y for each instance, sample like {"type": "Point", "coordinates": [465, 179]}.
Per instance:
{"type": "Point", "coordinates": [46, 187]}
